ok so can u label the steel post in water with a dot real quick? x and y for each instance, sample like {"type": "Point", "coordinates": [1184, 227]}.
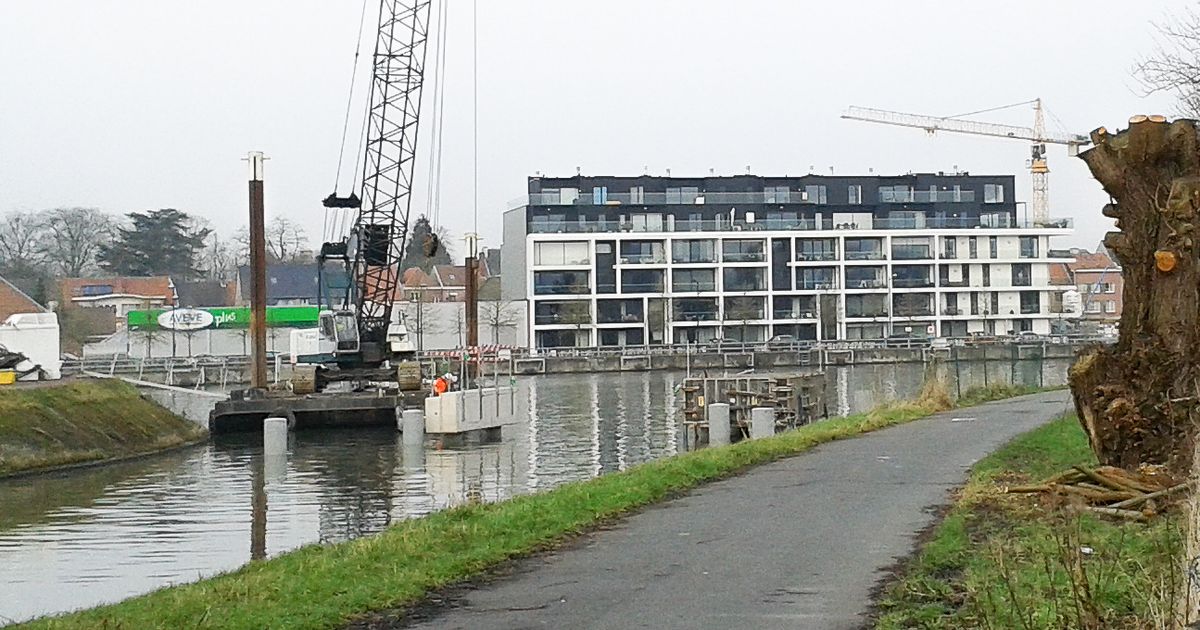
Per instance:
{"type": "Point", "coordinates": [718, 424]}
{"type": "Point", "coordinates": [762, 422]}
{"type": "Point", "coordinates": [275, 434]}
{"type": "Point", "coordinates": [258, 274]}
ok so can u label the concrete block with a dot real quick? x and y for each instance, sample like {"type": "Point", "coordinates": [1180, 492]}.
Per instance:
{"type": "Point", "coordinates": [718, 424]}
{"type": "Point", "coordinates": [275, 434]}
{"type": "Point", "coordinates": [412, 426]}
{"type": "Point", "coordinates": [762, 422]}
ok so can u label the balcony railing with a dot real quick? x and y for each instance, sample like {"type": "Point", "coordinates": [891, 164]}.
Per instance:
{"type": "Point", "coordinates": [806, 225]}
{"type": "Point", "coordinates": [912, 283]}
{"type": "Point", "coordinates": [951, 310]}
{"type": "Point", "coordinates": [866, 313]}
{"type": "Point", "coordinates": [912, 252]}
{"type": "Point", "coordinates": [693, 287]}
{"type": "Point", "coordinates": [562, 318]}
{"type": "Point", "coordinates": [813, 256]}
{"type": "Point", "coordinates": [793, 314]}
{"type": "Point", "coordinates": [816, 285]}
{"type": "Point", "coordinates": [875, 255]}
{"type": "Point", "coordinates": [868, 283]}
{"type": "Point", "coordinates": [913, 311]}
{"type": "Point", "coordinates": [946, 282]}
{"type": "Point", "coordinates": [744, 257]}
{"type": "Point", "coordinates": [560, 289]}
{"type": "Point", "coordinates": [694, 316]}
{"type": "Point", "coordinates": [927, 196]}
{"type": "Point", "coordinates": [644, 259]}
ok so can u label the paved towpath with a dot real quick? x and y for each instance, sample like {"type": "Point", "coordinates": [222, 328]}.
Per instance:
{"type": "Point", "coordinates": [798, 543]}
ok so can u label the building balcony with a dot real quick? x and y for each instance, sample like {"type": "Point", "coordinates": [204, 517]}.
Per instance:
{"type": "Point", "coordinates": [744, 257]}
{"type": "Point", "coordinates": [912, 283]}
{"type": "Point", "coordinates": [927, 196]}
{"type": "Point", "coordinates": [876, 255]}
{"type": "Point", "coordinates": [911, 253]}
{"type": "Point", "coordinates": [952, 310]}
{"type": "Point", "coordinates": [694, 316]}
{"type": "Point", "coordinates": [945, 282]}
{"type": "Point", "coordinates": [643, 259]}
{"type": "Point", "coordinates": [875, 283]}
{"type": "Point", "coordinates": [793, 314]}
{"type": "Point", "coordinates": [813, 225]}
{"type": "Point", "coordinates": [816, 285]}
{"type": "Point", "coordinates": [866, 314]}
{"type": "Point", "coordinates": [913, 312]}
{"type": "Point", "coordinates": [816, 256]}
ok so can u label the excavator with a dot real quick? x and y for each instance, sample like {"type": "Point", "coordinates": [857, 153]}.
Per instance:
{"type": "Point", "coordinates": [359, 337]}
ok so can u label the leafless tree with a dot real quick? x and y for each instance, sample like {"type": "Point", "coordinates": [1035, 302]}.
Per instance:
{"type": "Point", "coordinates": [240, 244]}
{"type": "Point", "coordinates": [460, 322]}
{"type": "Point", "coordinates": [419, 319]}
{"type": "Point", "coordinates": [499, 315]}
{"type": "Point", "coordinates": [286, 240]}
{"type": "Point", "coordinates": [20, 233]}
{"type": "Point", "coordinates": [1174, 66]}
{"type": "Point", "coordinates": [219, 258]}
{"type": "Point", "coordinates": [73, 236]}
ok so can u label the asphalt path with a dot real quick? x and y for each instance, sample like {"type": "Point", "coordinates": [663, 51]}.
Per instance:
{"type": "Point", "coordinates": [798, 543]}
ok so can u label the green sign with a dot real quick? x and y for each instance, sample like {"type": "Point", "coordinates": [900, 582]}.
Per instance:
{"type": "Point", "coordinates": [235, 317]}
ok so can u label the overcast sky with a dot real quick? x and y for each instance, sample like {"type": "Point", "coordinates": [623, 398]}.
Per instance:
{"type": "Point", "coordinates": [143, 104]}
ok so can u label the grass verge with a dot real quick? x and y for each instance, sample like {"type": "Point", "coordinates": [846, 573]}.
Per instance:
{"type": "Point", "coordinates": [327, 586]}
{"type": "Point", "coordinates": [1021, 561]}
{"type": "Point", "coordinates": [83, 421]}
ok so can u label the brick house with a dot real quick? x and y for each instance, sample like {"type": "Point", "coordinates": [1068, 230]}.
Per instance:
{"type": "Point", "coordinates": [14, 300]}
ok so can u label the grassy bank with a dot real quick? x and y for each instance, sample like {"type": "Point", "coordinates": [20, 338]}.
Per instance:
{"type": "Point", "coordinates": [323, 587]}
{"type": "Point", "coordinates": [56, 424]}
{"type": "Point", "coordinates": [1019, 561]}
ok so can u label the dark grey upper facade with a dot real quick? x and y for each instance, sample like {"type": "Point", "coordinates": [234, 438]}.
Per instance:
{"type": "Point", "coordinates": [934, 200]}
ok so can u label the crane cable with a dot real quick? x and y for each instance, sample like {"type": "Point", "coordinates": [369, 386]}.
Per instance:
{"type": "Point", "coordinates": [332, 223]}
{"type": "Point", "coordinates": [990, 109]}
{"type": "Point", "coordinates": [433, 197]}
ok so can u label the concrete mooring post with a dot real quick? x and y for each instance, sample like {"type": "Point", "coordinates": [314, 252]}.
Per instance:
{"type": "Point", "coordinates": [412, 426]}
{"type": "Point", "coordinates": [762, 422]}
{"type": "Point", "coordinates": [718, 424]}
{"type": "Point", "coordinates": [275, 436]}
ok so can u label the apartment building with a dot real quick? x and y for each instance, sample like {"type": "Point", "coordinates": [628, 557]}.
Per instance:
{"type": "Point", "coordinates": [632, 261]}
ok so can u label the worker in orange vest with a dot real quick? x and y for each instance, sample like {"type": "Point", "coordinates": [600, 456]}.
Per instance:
{"type": "Point", "coordinates": [440, 385]}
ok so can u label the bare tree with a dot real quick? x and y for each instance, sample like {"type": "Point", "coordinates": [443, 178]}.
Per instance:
{"type": "Point", "coordinates": [20, 235]}
{"type": "Point", "coordinates": [219, 258]}
{"type": "Point", "coordinates": [73, 236]}
{"type": "Point", "coordinates": [240, 244]}
{"type": "Point", "coordinates": [1174, 66]}
{"type": "Point", "coordinates": [498, 315]}
{"type": "Point", "coordinates": [418, 318]}
{"type": "Point", "coordinates": [286, 239]}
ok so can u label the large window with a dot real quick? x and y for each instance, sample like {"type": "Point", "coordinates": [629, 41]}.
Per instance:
{"type": "Point", "coordinates": [1021, 275]}
{"type": "Point", "coordinates": [694, 251]}
{"type": "Point", "coordinates": [1031, 302]}
{"type": "Point", "coordinates": [910, 276]}
{"type": "Point", "coordinates": [815, 194]}
{"type": "Point", "coordinates": [644, 252]}
{"type": "Point", "coordinates": [690, 280]}
{"type": "Point", "coordinates": [854, 194]}
{"type": "Point", "coordinates": [816, 249]}
{"type": "Point", "coordinates": [740, 308]}
{"type": "Point", "coordinates": [864, 331]}
{"type": "Point", "coordinates": [895, 194]}
{"type": "Point", "coordinates": [912, 304]}
{"type": "Point", "coordinates": [562, 312]}
{"type": "Point", "coordinates": [560, 282]}
{"type": "Point", "coordinates": [642, 281]}
{"type": "Point", "coordinates": [684, 194]}
{"type": "Point", "coordinates": [866, 305]}
{"type": "Point", "coordinates": [865, 277]}
{"type": "Point", "coordinates": [619, 311]}
{"type": "Point", "coordinates": [1029, 247]}
{"type": "Point", "coordinates": [646, 222]}
{"type": "Point", "coordinates": [905, 220]}
{"type": "Point", "coordinates": [993, 193]}
{"type": "Point", "coordinates": [549, 253]}
{"type": "Point", "coordinates": [794, 307]}
{"type": "Point", "coordinates": [744, 279]}
{"type": "Point", "coordinates": [694, 310]}
{"type": "Point", "coordinates": [864, 249]}
{"type": "Point", "coordinates": [911, 249]}
{"type": "Point", "coordinates": [820, 278]}
{"type": "Point", "coordinates": [743, 250]}
{"type": "Point", "coordinates": [776, 194]}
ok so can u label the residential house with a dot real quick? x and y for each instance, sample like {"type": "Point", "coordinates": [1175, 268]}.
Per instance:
{"type": "Point", "coordinates": [291, 284]}
{"type": "Point", "coordinates": [1100, 283]}
{"type": "Point", "coordinates": [119, 295]}
{"type": "Point", "coordinates": [443, 283]}
{"type": "Point", "coordinates": [13, 300]}
{"type": "Point", "coordinates": [204, 293]}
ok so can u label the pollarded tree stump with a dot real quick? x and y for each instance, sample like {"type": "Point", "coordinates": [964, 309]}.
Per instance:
{"type": "Point", "coordinates": [1138, 399]}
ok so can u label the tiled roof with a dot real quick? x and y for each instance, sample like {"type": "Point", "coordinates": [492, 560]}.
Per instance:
{"type": "Point", "coordinates": [14, 300]}
{"type": "Point", "coordinates": [1099, 260]}
{"type": "Point", "coordinates": [155, 287]}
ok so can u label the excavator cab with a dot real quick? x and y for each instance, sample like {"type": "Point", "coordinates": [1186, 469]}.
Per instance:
{"type": "Point", "coordinates": [338, 332]}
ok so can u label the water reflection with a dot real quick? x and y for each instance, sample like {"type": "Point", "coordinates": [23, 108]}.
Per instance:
{"type": "Point", "coordinates": [103, 534]}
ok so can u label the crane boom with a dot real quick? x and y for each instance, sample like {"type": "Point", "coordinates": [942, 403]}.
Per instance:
{"type": "Point", "coordinates": [961, 125]}
{"type": "Point", "coordinates": [381, 228]}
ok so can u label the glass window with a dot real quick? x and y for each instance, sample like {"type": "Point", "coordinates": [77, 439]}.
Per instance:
{"type": "Point", "coordinates": [949, 247]}
{"type": "Point", "coordinates": [1031, 302]}
{"type": "Point", "coordinates": [694, 251]}
{"type": "Point", "coordinates": [1029, 247]}
{"type": "Point", "coordinates": [744, 279]}
{"type": "Point", "coordinates": [816, 278]}
{"type": "Point", "coordinates": [745, 307]}
{"type": "Point", "coordinates": [642, 281]}
{"type": "Point", "coordinates": [646, 222]}
{"type": "Point", "coordinates": [1110, 307]}
{"type": "Point", "coordinates": [911, 248]}
{"type": "Point", "coordinates": [637, 194]}
{"type": "Point", "coordinates": [973, 247]}
{"type": "Point", "coordinates": [866, 305]}
{"type": "Point", "coordinates": [815, 194]}
{"type": "Point", "coordinates": [694, 310]}
{"type": "Point", "coordinates": [864, 249]}
{"type": "Point", "coordinates": [743, 250]}
{"type": "Point", "coordinates": [560, 282]}
{"type": "Point", "coordinates": [690, 280]}
{"type": "Point", "coordinates": [561, 253]}
{"type": "Point", "coordinates": [562, 312]}
{"type": "Point", "coordinates": [1021, 275]}
{"type": "Point", "coordinates": [993, 193]}
{"type": "Point", "coordinates": [642, 252]}
{"type": "Point", "coordinates": [854, 194]}
{"type": "Point", "coordinates": [776, 194]}
{"type": "Point", "coordinates": [993, 247]}
{"type": "Point", "coordinates": [619, 311]}
{"type": "Point", "coordinates": [816, 249]}
{"type": "Point", "coordinates": [865, 277]}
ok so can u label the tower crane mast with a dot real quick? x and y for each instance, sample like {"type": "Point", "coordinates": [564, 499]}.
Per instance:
{"type": "Point", "coordinates": [1038, 167]}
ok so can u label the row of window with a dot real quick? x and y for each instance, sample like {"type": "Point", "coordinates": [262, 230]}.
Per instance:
{"type": "Point", "coordinates": [741, 307]}
{"type": "Point", "coordinates": [1099, 287]}
{"type": "Point", "coordinates": [550, 253]}
{"type": "Point", "coordinates": [1097, 306]}
{"type": "Point", "coordinates": [810, 193]}
{"type": "Point", "coordinates": [740, 279]}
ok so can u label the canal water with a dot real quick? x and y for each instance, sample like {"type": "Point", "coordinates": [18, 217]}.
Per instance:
{"type": "Point", "coordinates": [90, 536]}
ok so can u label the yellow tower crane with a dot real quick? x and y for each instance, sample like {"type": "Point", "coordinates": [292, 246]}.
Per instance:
{"type": "Point", "coordinates": [1037, 165]}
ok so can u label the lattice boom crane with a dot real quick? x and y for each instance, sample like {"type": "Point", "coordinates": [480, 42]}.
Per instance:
{"type": "Point", "coordinates": [1038, 167]}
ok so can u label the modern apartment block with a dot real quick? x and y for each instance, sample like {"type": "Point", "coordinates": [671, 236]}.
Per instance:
{"type": "Point", "coordinates": [631, 261]}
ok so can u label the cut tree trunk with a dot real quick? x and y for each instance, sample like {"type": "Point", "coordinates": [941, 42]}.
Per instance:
{"type": "Point", "coordinates": [1138, 399]}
